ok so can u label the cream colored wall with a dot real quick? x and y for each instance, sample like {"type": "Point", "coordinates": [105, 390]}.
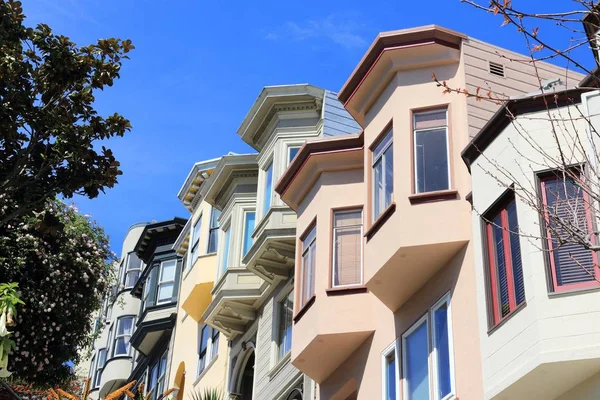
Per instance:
{"type": "Point", "coordinates": [550, 328]}
{"type": "Point", "coordinates": [184, 352]}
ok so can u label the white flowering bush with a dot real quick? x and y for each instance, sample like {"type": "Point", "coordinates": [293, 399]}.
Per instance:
{"type": "Point", "coordinates": [60, 260]}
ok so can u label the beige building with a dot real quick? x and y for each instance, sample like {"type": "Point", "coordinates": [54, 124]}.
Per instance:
{"type": "Point", "coordinates": [386, 300]}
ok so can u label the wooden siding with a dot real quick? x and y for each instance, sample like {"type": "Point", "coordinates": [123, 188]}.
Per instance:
{"type": "Point", "coordinates": [336, 120]}
{"type": "Point", "coordinates": [270, 387]}
{"type": "Point", "coordinates": [519, 78]}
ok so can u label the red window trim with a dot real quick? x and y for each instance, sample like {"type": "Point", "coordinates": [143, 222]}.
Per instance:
{"type": "Point", "coordinates": [493, 268]}
{"type": "Point", "coordinates": [575, 286]}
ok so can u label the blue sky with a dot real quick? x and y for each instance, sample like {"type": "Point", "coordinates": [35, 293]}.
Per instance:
{"type": "Point", "coordinates": [199, 65]}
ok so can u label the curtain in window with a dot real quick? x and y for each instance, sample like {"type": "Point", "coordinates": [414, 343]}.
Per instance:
{"type": "Point", "coordinates": [347, 228]}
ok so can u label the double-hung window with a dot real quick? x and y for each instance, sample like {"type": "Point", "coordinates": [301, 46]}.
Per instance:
{"type": "Point", "coordinates": [166, 281]}
{"type": "Point", "coordinates": [203, 348]}
{"type": "Point", "coordinates": [347, 248]}
{"type": "Point", "coordinates": [195, 242]}
{"type": "Point", "coordinates": [567, 214]}
{"type": "Point", "coordinates": [268, 193]}
{"type": "Point", "coordinates": [432, 171]}
{"type": "Point", "coordinates": [309, 248]}
{"type": "Point", "coordinates": [213, 231]}
{"type": "Point", "coordinates": [507, 290]}
{"type": "Point", "coordinates": [99, 365]}
{"type": "Point", "coordinates": [427, 362]}
{"type": "Point", "coordinates": [226, 242]}
{"type": "Point", "coordinates": [156, 377]}
{"type": "Point", "coordinates": [383, 174]}
{"type": "Point", "coordinates": [208, 346]}
{"type": "Point", "coordinates": [286, 315]}
{"type": "Point", "coordinates": [133, 270]}
{"type": "Point", "coordinates": [122, 335]}
{"type": "Point", "coordinates": [249, 222]}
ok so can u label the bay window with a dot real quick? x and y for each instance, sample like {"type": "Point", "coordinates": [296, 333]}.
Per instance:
{"type": "Point", "coordinates": [567, 215]}
{"type": "Point", "coordinates": [432, 171]}
{"type": "Point", "coordinates": [347, 248]}
{"type": "Point", "coordinates": [133, 270]}
{"type": "Point", "coordinates": [309, 248]}
{"type": "Point", "coordinates": [123, 335]}
{"type": "Point", "coordinates": [427, 362]}
{"type": "Point", "coordinates": [383, 174]}
{"type": "Point", "coordinates": [505, 269]}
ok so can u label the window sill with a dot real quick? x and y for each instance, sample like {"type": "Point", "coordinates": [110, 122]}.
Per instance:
{"type": "Point", "coordinates": [574, 291]}
{"type": "Point", "coordinates": [304, 309]}
{"type": "Point", "coordinates": [378, 223]}
{"type": "Point", "coordinates": [430, 197]}
{"type": "Point", "coordinates": [344, 290]}
{"type": "Point", "coordinates": [508, 317]}
{"type": "Point", "coordinates": [285, 360]}
{"type": "Point", "coordinates": [205, 370]}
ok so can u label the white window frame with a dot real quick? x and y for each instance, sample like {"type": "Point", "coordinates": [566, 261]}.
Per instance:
{"type": "Point", "coordinates": [432, 350]}
{"type": "Point", "coordinates": [98, 368]}
{"type": "Point", "coordinates": [394, 349]}
{"type": "Point", "coordinates": [305, 250]}
{"type": "Point", "coordinates": [375, 159]}
{"type": "Point", "coordinates": [271, 195]}
{"type": "Point", "coordinates": [117, 336]}
{"type": "Point", "coordinates": [210, 343]}
{"type": "Point", "coordinates": [128, 270]}
{"type": "Point", "coordinates": [289, 148]}
{"type": "Point", "coordinates": [415, 131]}
{"type": "Point", "coordinates": [333, 251]}
{"type": "Point", "coordinates": [160, 282]}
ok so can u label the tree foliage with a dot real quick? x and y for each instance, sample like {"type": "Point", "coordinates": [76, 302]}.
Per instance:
{"type": "Point", "coordinates": [62, 264]}
{"type": "Point", "coordinates": [48, 125]}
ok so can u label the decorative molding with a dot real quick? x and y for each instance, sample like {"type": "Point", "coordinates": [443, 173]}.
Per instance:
{"type": "Point", "coordinates": [230, 185]}
{"type": "Point", "coordinates": [308, 105]}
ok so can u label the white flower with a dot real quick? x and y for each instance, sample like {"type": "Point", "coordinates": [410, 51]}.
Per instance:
{"type": "Point", "coordinates": [3, 330]}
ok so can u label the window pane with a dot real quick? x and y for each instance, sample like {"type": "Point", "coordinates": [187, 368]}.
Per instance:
{"type": "Point", "coordinates": [515, 252]}
{"type": "Point", "coordinates": [196, 232]}
{"type": "Point", "coordinates": [165, 292]}
{"type": "Point", "coordinates": [131, 278]}
{"type": "Point", "coordinates": [565, 202]}
{"type": "Point", "coordinates": [133, 261]}
{"type": "Point", "coordinates": [440, 319]}
{"type": "Point", "coordinates": [292, 154]}
{"type": "Point", "coordinates": [389, 176]}
{"type": "Point", "coordinates": [285, 324]}
{"type": "Point", "coordinates": [125, 326]}
{"type": "Point", "coordinates": [431, 158]}
{"type": "Point", "coordinates": [122, 345]}
{"type": "Point", "coordinates": [417, 367]}
{"type": "Point", "coordinates": [268, 188]}
{"type": "Point", "coordinates": [390, 377]}
{"type": "Point", "coordinates": [213, 235]}
{"type": "Point", "coordinates": [380, 148]}
{"type": "Point", "coordinates": [215, 344]}
{"type": "Point", "coordinates": [347, 248]}
{"type": "Point", "coordinates": [248, 229]}
{"type": "Point", "coordinates": [214, 218]}
{"type": "Point", "coordinates": [204, 335]}
{"type": "Point", "coordinates": [378, 196]}
{"type": "Point", "coordinates": [168, 271]}
{"type": "Point", "coordinates": [101, 358]}
{"type": "Point", "coordinates": [225, 261]}
{"type": "Point", "coordinates": [430, 119]}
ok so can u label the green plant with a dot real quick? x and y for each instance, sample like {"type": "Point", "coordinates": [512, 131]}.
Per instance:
{"type": "Point", "coordinates": [9, 299]}
{"type": "Point", "coordinates": [207, 394]}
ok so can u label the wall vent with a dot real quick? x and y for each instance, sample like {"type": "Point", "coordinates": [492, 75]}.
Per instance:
{"type": "Point", "coordinates": [496, 69]}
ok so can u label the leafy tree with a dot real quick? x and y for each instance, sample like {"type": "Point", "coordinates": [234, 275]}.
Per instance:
{"type": "Point", "coordinates": [62, 264]}
{"type": "Point", "coordinates": [48, 125]}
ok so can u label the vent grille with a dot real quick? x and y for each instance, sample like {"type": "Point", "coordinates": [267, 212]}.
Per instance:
{"type": "Point", "coordinates": [496, 69]}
